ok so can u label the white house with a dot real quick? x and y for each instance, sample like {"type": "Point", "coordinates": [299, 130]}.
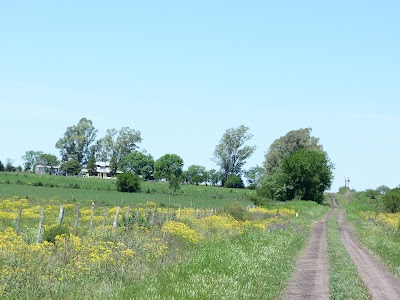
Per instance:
{"type": "Point", "coordinates": [103, 169]}
{"type": "Point", "coordinates": [42, 169]}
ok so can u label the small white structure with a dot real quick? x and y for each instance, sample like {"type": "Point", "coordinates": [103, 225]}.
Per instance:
{"type": "Point", "coordinates": [103, 169]}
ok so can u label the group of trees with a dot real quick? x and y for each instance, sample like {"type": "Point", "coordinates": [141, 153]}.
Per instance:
{"type": "Point", "coordinates": [295, 166]}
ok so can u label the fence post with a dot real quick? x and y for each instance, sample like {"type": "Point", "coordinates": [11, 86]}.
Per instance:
{"type": "Point", "coordinates": [197, 213]}
{"type": "Point", "coordinates": [127, 217]}
{"type": "Point", "coordinates": [179, 213]}
{"type": "Point", "coordinates": [104, 220]}
{"type": "Point", "coordinates": [116, 218]}
{"type": "Point", "coordinates": [91, 217]}
{"type": "Point", "coordinates": [18, 221]}
{"type": "Point", "coordinates": [137, 216]}
{"type": "Point", "coordinates": [61, 215]}
{"type": "Point", "coordinates": [76, 220]}
{"type": "Point", "coordinates": [40, 225]}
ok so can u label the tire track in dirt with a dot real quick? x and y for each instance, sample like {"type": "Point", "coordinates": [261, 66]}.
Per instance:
{"type": "Point", "coordinates": [379, 281]}
{"type": "Point", "coordinates": [310, 280]}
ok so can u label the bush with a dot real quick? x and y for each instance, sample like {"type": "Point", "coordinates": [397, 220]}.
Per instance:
{"type": "Point", "coordinates": [128, 182]}
{"type": "Point", "coordinates": [234, 181]}
{"type": "Point", "coordinates": [52, 231]}
{"type": "Point", "coordinates": [392, 201]}
{"type": "Point", "coordinates": [237, 211]}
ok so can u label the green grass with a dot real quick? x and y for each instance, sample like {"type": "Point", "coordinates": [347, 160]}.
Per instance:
{"type": "Point", "coordinates": [344, 280]}
{"type": "Point", "coordinates": [103, 191]}
{"type": "Point", "coordinates": [380, 239]}
{"type": "Point", "coordinates": [255, 265]}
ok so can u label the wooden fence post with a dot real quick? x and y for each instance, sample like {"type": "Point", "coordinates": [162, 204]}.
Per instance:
{"type": "Point", "coordinates": [76, 220]}
{"type": "Point", "coordinates": [91, 218]}
{"type": "Point", "coordinates": [127, 217]}
{"type": "Point", "coordinates": [104, 220]}
{"type": "Point", "coordinates": [40, 225]}
{"type": "Point", "coordinates": [61, 215]}
{"type": "Point", "coordinates": [18, 221]}
{"type": "Point", "coordinates": [116, 218]}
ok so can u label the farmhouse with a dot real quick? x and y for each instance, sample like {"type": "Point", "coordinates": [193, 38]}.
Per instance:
{"type": "Point", "coordinates": [103, 169]}
{"type": "Point", "coordinates": [42, 169]}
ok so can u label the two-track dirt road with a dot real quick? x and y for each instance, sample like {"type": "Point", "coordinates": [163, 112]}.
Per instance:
{"type": "Point", "coordinates": [311, 277]}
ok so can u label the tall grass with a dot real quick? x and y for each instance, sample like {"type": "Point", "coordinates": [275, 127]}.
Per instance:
{"type": "Point", "coordinates": [379, 237]}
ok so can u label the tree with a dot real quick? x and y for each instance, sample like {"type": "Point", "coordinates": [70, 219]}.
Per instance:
{"type": "Point", "coordinates": [253, 175]}
{"type": "Point", "coordinates": [126, 142]}
{"type": "Point", "coordinates": [105, 146]}
{"type": "Point", "coordinates": [9, 165]}
{"type": "Point", "coordinates": [76, 141]}
{"type": "Point", "coordinates": [196, 174]}
{"type": "Point", "coordinates": [2, 169]}
{"type": "Point", "coordinates": [117, 144]}
{"type": "Point", "coordinates": [231, 153]}
{"type": "Point", "coordinates": [214, 177]}
{"type": "Point", "coordinates": [284, 146]}
{"type": "Point", "coordinates": [167, 165]}
{"type": "Point", "coordinates": [138, 163]}
{"type": "Point", "coordinates": [304, 175]}
{"type": "Point", "coordinates": [91, 164]}
{"type": "Point", "coordinates": [71, 167]}
{"type": "Point", "coordinates": [48, 160]}
{"type": "Point", "coordinates": [174, 182]}
{"type": "Point", "coordinates": [234, 181]}
{"type": "Point", "coordinates": [30, 159]}
{"type": "Point", "coordinates": [392, 201]}
{"type": "Point", "coordinates": [128, 182]}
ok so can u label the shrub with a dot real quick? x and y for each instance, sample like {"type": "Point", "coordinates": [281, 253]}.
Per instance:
{"type": "Point", "coordinates": [237, 211]}
{"type": "Point", "coordinates": [392, 201]}
{"type": "Point", "coordinates": [234, 181]}
{"type": "Point", "coordinates": [52, 231]}
{"type": "Point", "coordinates": [128, 182]}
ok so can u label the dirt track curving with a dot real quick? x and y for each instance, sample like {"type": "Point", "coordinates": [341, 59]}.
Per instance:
{"type": "Point", "coordinates": [379, 281]}
{"type": "Point", "coordinates": [311, 277]}
{"type": "Point", "coordinates": [310, 280]}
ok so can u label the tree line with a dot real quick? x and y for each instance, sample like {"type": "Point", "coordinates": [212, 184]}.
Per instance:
{"type": "Point", "coordinates": [295, 165]}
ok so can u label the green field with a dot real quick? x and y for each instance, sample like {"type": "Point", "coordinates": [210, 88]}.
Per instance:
{"type": "Point", "coordinates": [103, 191]}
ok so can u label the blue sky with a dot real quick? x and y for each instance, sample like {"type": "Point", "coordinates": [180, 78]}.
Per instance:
{"type": "Point", "coordinates": [182, 72]}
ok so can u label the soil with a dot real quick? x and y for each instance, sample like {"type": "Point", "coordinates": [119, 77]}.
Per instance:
{"type": "Point", "coordinates": [311, 277]}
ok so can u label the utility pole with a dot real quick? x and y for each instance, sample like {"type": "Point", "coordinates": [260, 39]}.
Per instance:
{"type": "Point", "coordinates": [347, 182]}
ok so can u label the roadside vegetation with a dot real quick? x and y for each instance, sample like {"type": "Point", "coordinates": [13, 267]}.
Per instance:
{"type": "Point", "coordinates": [376, 225]}
{"type": "Point", "coordinates": [185, 254]}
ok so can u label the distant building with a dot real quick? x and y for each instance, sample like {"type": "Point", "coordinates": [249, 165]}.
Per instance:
{"type": "Point", "coordinates": [103, 169]}
{"type": "Point", "coordinates": [52, 170]}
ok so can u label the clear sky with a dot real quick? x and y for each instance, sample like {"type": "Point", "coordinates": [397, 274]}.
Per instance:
{"type": "Point", "coordinates": [182, 72]}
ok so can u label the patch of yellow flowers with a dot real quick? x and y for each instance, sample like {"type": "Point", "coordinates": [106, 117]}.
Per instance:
{"type": "Point", "coordinates": [393, 220]}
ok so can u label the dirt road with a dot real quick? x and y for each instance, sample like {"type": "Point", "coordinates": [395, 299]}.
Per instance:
{"type": "Point", "coordinates": [311, 277]}
{"type": "Point", "coordinates": [379, 281]}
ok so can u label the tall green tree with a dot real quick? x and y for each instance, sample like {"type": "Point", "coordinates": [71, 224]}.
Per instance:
{"type": "Point", "coordinates": [304, 175]}
{"type": "Point", "coordinates": [139, 163]}
{"type": "Point", "coordinates": [167, 165]}
{"type": "Point", "coordinates": [196, 174]}
{"type": "Point", "coordinates": [214, 176]}
{"type": "Point", "coordinates": [286, 145]}
{"type": "Point", "coordinates": [105, 146]}
{"type": "Point", "coordinates": [2, 169]}
{"type": "Point", "coordinates": [71, 167]}
{"type": "Point", "coordinates": [231, 152]}
{"type": "Point", "coordinates": [30, 159]}
{"type": "Point", "coordinates": [253, 175]}
{"type": "Point", "coordinates": [76, 141]}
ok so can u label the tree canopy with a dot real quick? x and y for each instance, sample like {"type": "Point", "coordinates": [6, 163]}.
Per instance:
{"type": "Point", "coordinates": [71, 167]}
{"type": "Point", "coordinates": [304, 175]}
{"type": "Point", "coordinates": [196, 174]}
{"type": "Point", "coordinates": [286, 145]}
{"type": "Point", "coordinates": [138, 163]}
{"type": "Point", "coordinates": [231, 152]}
{"type": "Point", "coordinates": [76, 141]}
{"type": "Point", "coordinates": [30, 159]}
{"type": "Point", "coordinates": [167, 165]}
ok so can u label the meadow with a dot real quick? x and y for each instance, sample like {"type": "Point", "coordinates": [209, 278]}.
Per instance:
{"type": "Point", "coordinates": [378, 231]}
{"type": "Point", "coordinates": [69, 189]}
{"type": "Point", "coordinates": [148, 250]}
